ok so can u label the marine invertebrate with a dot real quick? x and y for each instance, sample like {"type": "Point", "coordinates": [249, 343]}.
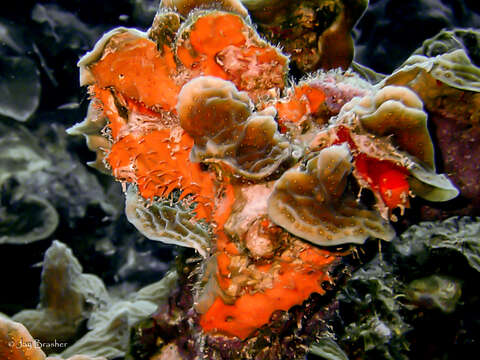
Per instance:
{"type": "Point", "coordinates": [227, 131]}
{"type": "Point", "coordinates": [66, 297]}
{"type": "Point", "coordinates": [311, 203]}
{"type": "Point", "coordinates": [449, 85]}
{"type": "Point", "coordinates": [315, 33]}
{"type": "Point", "coordinates": [183, 7]}
{"type": "Point", "coordinates": [16, 343]}
{"type": "Point", "coordinates": [221, 156]}
{"type": "Point", "coordinates": [393, 151]}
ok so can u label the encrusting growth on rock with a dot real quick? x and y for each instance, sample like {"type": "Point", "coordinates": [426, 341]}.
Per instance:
{"type": "Point", "coordinates": [312, 205]}
{"type": "Point", "coordinates": [219, 154]}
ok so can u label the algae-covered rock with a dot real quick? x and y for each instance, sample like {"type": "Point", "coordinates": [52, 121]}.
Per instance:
{"type": "Point", "coordinates": [377, 327]}
{"type": "Point", "coordinates": [422, 288]}
{"type": "Point", "coordinates": [459, 235]}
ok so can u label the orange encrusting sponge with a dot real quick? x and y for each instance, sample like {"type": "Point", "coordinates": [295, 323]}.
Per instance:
{"type": "Point", "coordinates": [209, 35]}
{"type": "Point", "coordinates": [138, 70]}
{"type": "Point", "coordinates": [306, 100]}
{"type": "Point", "coordinates": [137, 87]}
{"type": "Point", "coordinates": [294, 283]}
{"type": "Point", "coordinates": [386, 177]}
{"type": "Point", "coordinates": [108, 108]}
{"type": "Point", "coordinates": [159, 163]}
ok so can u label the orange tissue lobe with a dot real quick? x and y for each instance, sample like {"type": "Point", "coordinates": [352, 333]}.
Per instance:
{"type": "Point", "coordinates": [106, 102]}
{"type": "Point", "coordinates": [224, 203]}
{"type": "Point", "coordinates": [386, 177]}
{"type": "Point", "coordinates": [158, 163]}
{"type": "Point", "coordinates": [306, 100]}
{"type": "Point", "coordinates": [137, 69]}
{"type": "Point", "coordinates": [208, 36]}
{"type": "Point", "coordinates": [293, 284]}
